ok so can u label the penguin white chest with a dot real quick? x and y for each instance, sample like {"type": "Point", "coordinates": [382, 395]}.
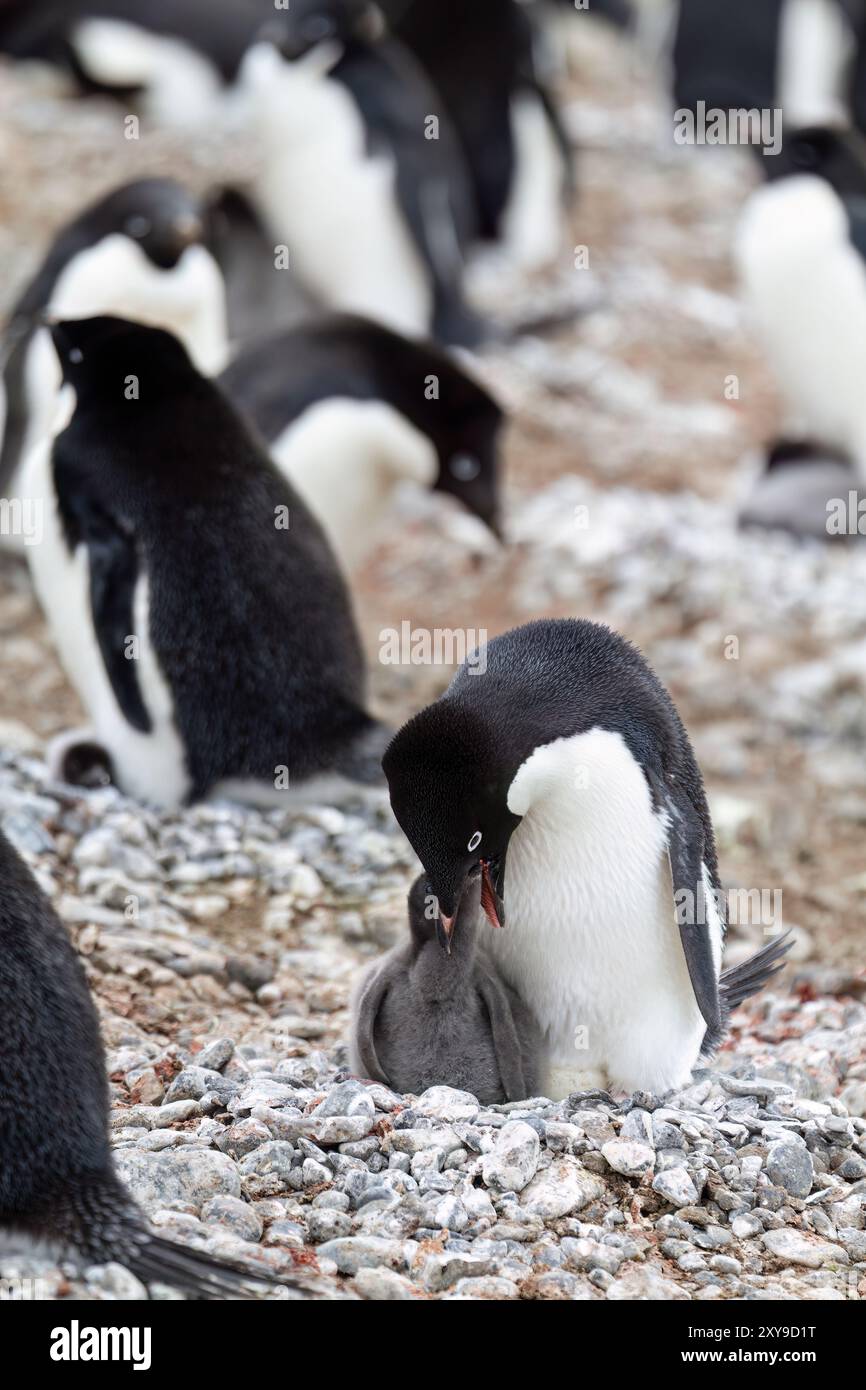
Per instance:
{"type": "Point", "coordinates": [332, 203]}
{"type": "Point", "coordinates": [590, 939]}
{"type": "Point", "coordinates": [346, 457]}
{"type": "Point", "coordinates": [806, 286]}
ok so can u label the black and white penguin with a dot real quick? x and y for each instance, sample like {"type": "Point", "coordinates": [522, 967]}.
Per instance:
{"type": "Point", "coordinates": [483, 58]}
{"type": "Point", "coordinates": [139, 252]}
{"type": "Point", "coordinates": [561, 774]}
{"type": "Point", "coordinates": [787, 54]}
{"type": "Point", "coordinates": [351, 409]}
{"type": "Point", "coordinates": [427, 1016]}
{"type": "Point", "coordinates": [362, 178]}
{"type": "Point", "coordinates": [800, 252]}
{"type": "Point", "coordinates": [58, 1186]}
{"type": "Point", "coordinates": [193, 598]}
{"type": "Point", "coordinates": [175, 57]}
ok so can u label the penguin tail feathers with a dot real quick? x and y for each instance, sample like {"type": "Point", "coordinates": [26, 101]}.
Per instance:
{"type": "Point", "coordinates": [750, 977]}
{"type": "Point", "coordinates": [98, 1222]}
{"type": "Point", "coordinates": [154, 1259]}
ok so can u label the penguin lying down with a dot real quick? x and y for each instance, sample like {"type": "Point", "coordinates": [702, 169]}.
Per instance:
{"type": "Point", "coordinates": [435, 1011]}
{"type": "Point", "coordinates": [58, 1186]}
{"type": "Point", "coordinates": [193, 598]}
{"type": "Point", "coordinates": [561, 779]}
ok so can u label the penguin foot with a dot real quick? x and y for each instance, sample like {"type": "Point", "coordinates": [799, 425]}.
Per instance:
{"type": "Point", "coordinates": [78, 759]}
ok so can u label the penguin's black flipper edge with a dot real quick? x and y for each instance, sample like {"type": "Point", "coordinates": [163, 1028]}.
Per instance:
{"type": "Point", "coordinates": [741, 981]}
{"type": "Point", "coordinates": [370, 998]}
{"type": "Point", "coordinates": [113, 566]}
{"type": "Point", "coordinates": [506, 1042]}
{"type": "Point", "coordinates": [686, 851]}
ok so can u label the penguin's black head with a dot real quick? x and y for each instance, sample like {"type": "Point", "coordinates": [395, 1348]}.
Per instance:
{"type": "Point", "coordinates": [307, 23]}
{"type": "Point", "coordinates": [116, 358]}
{"type": "Point", "coordinates": [449, 794]}
{"type": "Point", "coordinates": [836, 155]}
{"type": "Point", "coordinates": [465, 425]}
{"type": "Point", "coordinates": [161, 216]}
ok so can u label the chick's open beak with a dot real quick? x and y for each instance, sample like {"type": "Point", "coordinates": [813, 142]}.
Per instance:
{"type": "Point", "coordinates": [445, 931]}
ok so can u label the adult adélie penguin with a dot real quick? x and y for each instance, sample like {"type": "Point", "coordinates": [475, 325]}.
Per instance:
{"type": "Point", "coordinates": [561, 775]}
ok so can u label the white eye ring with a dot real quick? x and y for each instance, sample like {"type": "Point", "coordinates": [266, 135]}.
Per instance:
{"type": "Point", "coordinates": [475, 841]}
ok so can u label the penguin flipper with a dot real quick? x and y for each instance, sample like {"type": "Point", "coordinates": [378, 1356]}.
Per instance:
{"type": "Point", "coordinates": [367, 1005]}
{"type": "Point", "coordinates": [113, 566]}
{"type": "Point", "coordinates": [509, 1057]}
{"type": "Point", "coordinates": [686, 851]}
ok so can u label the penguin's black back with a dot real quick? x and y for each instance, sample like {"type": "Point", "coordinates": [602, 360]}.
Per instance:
{"type": "Point", "coordinates": [725, 53]}
{"type": "Point", "coordinates": [555, 678]}
{"type": "Point", "coordinates": [53, 1090]}
{"type": "Point", "coordinates": [478, 55]}
{"type": "Point", "coordinates": [251, 622]}
{"type": "Point", "coordinates": [345, 355]}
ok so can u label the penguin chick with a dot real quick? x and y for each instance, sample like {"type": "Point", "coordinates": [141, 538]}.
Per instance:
{"type": "Point", "coordinates": [194, 600]}
{"type": "Point", "coordinates": [800, 250]}
{"type": "Point", "coordinates": [58, 1185]}
{"type": "Point", "coordinates": [423, 1018]}
{"type": "Point", "coordinates": [137, 252]}
{"type": "Point", "coordinates": [350, 410]}
{"type": "Point", "coordinates": [374, 212]}
{"type": "Point", "coordinates": [561, 772]}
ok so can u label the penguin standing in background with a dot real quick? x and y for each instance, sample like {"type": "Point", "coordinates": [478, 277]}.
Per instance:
{"type": "Point", "coordinates": [350, 410]}
{"type": "Point", "coordinates": [801, 256]}
{"type": "Point", "coordinates": [427, 1016]}
{"type": "Point", "coordinates": [140, 252]}
{"type": "Point", "coordinates": [362, 179]}
{"type": "Point", "coordinates": [192, 597]}
{"type": "Point", "coordinates": [561, 776]}
{"type": "Point", "coordinates": [788, 54]}
{"type": "Point", "coordinates": [483, 59]}
{"type": "Point", "coordinates": [58, 1185]}
{"type": "Point", "coordinates": [174, 57]}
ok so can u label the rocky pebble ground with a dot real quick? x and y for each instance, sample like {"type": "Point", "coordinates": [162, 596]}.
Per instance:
{"type": "Point", "coordinates": [222, 945]}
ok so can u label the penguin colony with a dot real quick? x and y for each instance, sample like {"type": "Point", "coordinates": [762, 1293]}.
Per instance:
{"type": "Point", "coordinates": [215, 460]}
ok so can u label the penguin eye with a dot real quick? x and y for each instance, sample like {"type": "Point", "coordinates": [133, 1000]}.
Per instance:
{"type": "Point", "coordinates": [474, 842]}
{"type": "Point", "coordinates": [137, 226]}
{"type": "Point", "coordinates": [317, 28]}
{"type": "Point", "coordinates": [76, 355]}
{"type": "Point", "coordinates": [464, 467]}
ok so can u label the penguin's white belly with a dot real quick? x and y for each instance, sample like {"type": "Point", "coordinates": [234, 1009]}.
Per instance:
{"type": "Point", "coordinates": [806, 287]}
{"type": "Point", "coordinates": [150, 766]}
{"type": "Point", "coordinates": [590, 940]}
{"type": "Point", "coordinates": [330, 202]}
{"type": "Point", "coordinates": [533, 221]}
{"type": "Point", "coordinates": [346, 457]}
